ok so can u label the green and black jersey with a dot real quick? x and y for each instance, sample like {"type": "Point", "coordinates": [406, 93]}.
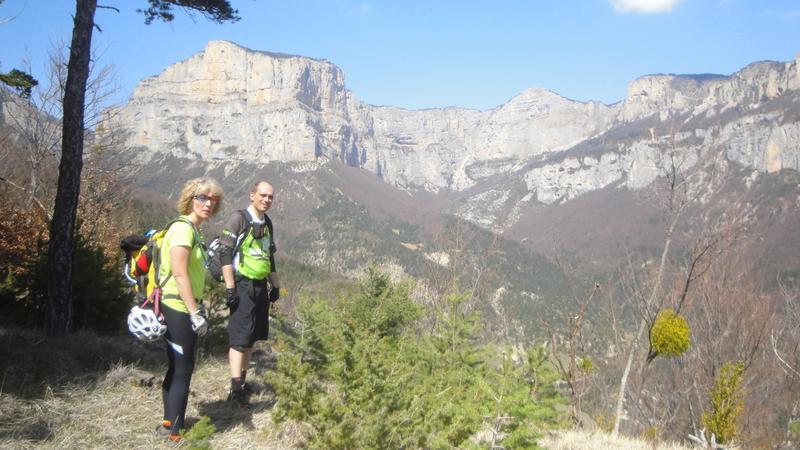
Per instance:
{"type": "Point", "coordinates": [254, 243]}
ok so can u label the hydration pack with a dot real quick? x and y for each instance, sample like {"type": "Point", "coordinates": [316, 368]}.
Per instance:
{"type": "Point", "coordinates": [213, 260]}
{"type": "Point", "coordinates": [143, 263]}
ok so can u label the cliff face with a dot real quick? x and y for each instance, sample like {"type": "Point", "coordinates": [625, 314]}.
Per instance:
{"type": "Point", "coordinates": [229, 104]}
{"type": "Point", "coordinates": [232, 103]}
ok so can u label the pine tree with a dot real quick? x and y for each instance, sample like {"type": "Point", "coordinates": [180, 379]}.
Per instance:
{"type": "Point", "coordinates": [62, 226]}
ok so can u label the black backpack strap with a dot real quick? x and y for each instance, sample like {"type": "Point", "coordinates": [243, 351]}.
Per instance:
{"type": "Point", "coordinates": [248, 225]}
{"type": "Point", "coordinates": [249, 220]}
{"type": "Point", "coordinates": [272, 247]}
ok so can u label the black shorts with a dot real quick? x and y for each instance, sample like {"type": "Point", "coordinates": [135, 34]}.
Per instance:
{"type": "Point", "coordinates": [249, 320]}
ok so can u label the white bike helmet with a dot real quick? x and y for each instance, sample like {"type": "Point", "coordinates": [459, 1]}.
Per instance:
{"type": "Point", "coordinates": [144, 324]}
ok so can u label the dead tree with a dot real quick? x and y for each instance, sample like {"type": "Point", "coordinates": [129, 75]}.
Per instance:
{"type": "Point", "coordinates": [687, 176]}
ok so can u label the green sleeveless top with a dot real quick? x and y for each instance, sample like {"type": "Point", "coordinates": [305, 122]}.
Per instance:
{"type": "Point", "coordinates": [182, 234]}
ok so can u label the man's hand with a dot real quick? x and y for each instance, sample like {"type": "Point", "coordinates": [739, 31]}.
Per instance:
{"type": "Point", "coordinates": [199, 322]}
{"type": "Point", "coordinates": [231, 297]}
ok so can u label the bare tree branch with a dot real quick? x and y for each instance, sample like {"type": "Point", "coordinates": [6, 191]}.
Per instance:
{"type": "Point", "coordinates": [44, 209]}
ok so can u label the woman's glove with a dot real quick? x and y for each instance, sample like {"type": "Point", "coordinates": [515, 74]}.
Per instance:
{"type": "Point", "coordinates": [199, 322]}
{"type": "Point", "coordinates": [231, 297]}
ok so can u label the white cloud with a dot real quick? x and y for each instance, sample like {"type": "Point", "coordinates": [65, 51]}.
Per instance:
{"type": "Point", "coordinates": [643, 6]}
{"type": "Point", "coordinates": [355, 8]}
{"type": "Point", "coordinates": [790, 14]}
{"type": "Point", "coordinates": [365, 8]}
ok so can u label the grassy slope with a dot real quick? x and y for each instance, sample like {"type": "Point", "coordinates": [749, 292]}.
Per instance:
{"type": "Point", "coordinates": [85, 391]}
{"type": "Point", "coordinates": [90, 391]}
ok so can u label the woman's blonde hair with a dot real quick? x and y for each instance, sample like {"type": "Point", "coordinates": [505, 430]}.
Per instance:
{"type": "Point", "coordinates": [198, 186]}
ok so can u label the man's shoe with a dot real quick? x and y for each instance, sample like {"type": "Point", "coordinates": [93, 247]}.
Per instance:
{"type": "Point", "coordinates": [237, 396]}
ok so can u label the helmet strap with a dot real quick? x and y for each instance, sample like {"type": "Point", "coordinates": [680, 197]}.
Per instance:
{"type": "Point", "coordinates": [155, 298]}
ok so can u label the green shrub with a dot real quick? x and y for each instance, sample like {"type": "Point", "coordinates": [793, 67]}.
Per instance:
{"type": "Point", "coordinates": [586, 365]}
{"type": "Point", "coordinates": [362, 376]}
{"type": "Point", "coordinates": [198, 436]}
{"type": "Point", "coordinates": [794, 427]}
{"type": "Point", "coordinates": [382, 308]}
{"type": "Point", "coordinates": [670, 335]}
{"type": "Point", "coordinates": [727, 403]}
{"type": "Point", "coordinates": [215, 341]}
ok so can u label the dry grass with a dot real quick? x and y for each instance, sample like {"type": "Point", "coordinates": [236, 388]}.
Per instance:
{"type": "Point", "coordinates": [119, 406]}
{"type": "Point", "coordinates": [583, 440]}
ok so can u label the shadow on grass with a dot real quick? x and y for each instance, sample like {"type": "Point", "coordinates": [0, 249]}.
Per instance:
{"type": "Point", "coordinates": [31, 364]}
{"type": "Point", "coordinates": [18, 430]}
{"type": "Point", "coordinates": [226, 415]}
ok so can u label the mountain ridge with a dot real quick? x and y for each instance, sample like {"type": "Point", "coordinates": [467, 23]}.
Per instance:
{"type": "Point", "coordinates": [537, 170]}
{"type": "Point", "coordinates": [231, 103]}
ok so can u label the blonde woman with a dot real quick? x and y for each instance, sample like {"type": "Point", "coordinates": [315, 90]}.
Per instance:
{"type": "Point", "coordinates": [183, 268]}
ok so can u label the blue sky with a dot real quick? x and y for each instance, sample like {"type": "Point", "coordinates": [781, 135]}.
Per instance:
{"type": "Point", "coordinates": [427, 54]}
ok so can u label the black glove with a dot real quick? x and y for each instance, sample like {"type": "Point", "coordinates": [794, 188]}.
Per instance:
{"type": "Point", "coordinates": [274, 294]}
{"type": "Point", "coordinates": [231, 297]}
{"type": "Point", "coordinates": [275, 287]}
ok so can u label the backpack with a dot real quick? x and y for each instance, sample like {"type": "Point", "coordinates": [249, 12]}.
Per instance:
{"type": "Point", "coordinates": [143, 263]}
{"type": "Point", "coordinates": [214, 264]}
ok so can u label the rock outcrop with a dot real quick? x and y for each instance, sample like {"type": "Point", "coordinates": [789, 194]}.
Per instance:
{"type": "Point", "coordinates": [229, 104]}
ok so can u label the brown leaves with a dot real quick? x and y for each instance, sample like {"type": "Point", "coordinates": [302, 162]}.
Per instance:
{"type": "Point", "coordinates": [22, 231]}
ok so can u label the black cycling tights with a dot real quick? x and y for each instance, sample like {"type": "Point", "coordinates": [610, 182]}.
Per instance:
{"type": "Point", "coordinates": [181, 344]}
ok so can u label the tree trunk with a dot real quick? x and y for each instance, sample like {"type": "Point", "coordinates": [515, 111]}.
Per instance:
{"type": "Point", "coordinates": [623, 383]}
{"type": "Point", "coordinates": [62, 227]}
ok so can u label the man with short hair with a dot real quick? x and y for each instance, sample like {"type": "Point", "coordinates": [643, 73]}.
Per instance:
{"type": "Point", "coordinates": [247, 248]}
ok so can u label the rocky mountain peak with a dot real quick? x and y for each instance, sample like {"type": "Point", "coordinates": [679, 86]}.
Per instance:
{"type": "Point", "coordinates": [752, 85]}
{"type": "Point", "coordinates": [228, 104]}
{"type": "Point", "coordinates": [225, 72]}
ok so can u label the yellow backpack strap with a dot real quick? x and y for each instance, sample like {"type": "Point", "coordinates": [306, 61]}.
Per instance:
{"type": "Point", "coordinates": [157, 254]}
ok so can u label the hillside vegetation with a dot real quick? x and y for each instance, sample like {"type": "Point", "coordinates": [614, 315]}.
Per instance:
{"type": "Point", "coordinates": [98, 403]}
{"type": "Point", "coordinates": [356, 371]}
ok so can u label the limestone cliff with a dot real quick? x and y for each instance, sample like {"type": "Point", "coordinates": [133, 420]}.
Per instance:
{"type": "Point", "coordinates": [229, 104]}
